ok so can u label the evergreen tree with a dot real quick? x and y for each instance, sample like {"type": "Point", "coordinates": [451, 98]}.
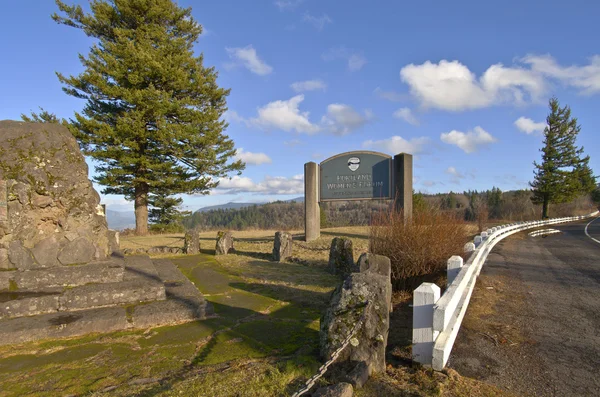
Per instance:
{"type": "Point", "coordinates": [563, 174]}
{"type": "Point", "coordinates": [42, 117]}
{"type": "Point", "coordinates": [152, 116]}
{"type": "Point", "coordinates": [165, 210]}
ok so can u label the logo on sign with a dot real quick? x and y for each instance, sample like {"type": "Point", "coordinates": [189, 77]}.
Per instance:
{"type": "Point", "coordinates": [353, 163]}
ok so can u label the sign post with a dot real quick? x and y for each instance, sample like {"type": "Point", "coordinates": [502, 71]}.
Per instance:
{"type": "Point", "coordinates": [358, 175]}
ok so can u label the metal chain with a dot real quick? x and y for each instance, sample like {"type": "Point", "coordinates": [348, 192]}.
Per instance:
{"type": "Point", "coordinates": [323, 368]}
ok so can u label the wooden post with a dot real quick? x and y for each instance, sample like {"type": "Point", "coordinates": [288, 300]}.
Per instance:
{"type": "Point", "coordinates": [423, 334]}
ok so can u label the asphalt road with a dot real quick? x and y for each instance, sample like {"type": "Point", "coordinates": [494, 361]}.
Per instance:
{"type": "Point", "coordinates": [548, 292]}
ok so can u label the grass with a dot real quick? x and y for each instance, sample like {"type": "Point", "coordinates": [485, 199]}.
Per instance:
{"type": "Point", "coordinates": [263, 340]}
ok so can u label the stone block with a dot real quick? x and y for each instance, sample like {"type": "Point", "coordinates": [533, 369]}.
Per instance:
{"type": "Point", "coordinates": [167, 271]}
{"type": "Point", "coordinates": [172, 311]}
{"type": "Point", "coordinates": [180, 289]}
{"type": "Point", "coordinates": [359, 375]}
{"type": "Point", "coordinates": [78, 251]}
{"type": "Point", "coordinates": [114, 241]}
{"type": "Point", "coordinates": [191, 243]}
{"type": "Point", "coordinates": [5, 278]}
{"type": "Point", "coordinates": [282, 246]}
{"type": "Point", "coordinates": [71, 276]}
{"type": "Point", "coordinates": [378, 264]}
{"type": "Point", "coordinates": [224, 243]}
{"type": "Point", "coordinates": [140, 267]}
{"type": "Point", "coordinates": [30, 306]}
{"type": "Point", "coordinates": [340, 390]}
{"type": "Point", "coordinates": [62, 325]}
{"type": "Point", "coordinates": [341, 256]}
{"type": "Point", "coordinates": [109, 294]}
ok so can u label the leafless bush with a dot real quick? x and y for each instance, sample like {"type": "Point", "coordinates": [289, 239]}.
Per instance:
{"type": "Point", "coordinates": [419, 247]}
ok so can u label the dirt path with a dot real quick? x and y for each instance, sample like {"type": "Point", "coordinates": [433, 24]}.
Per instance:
{"type": "Point", "coordinates": [533, 326]}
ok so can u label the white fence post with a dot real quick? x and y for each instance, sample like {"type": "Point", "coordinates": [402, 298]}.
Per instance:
{"type": "Point", "coordinates": [469, 247]}
{"type": "Point", "coordinates": [454, 264]}
{"type": "Point", "coordinates": [423, 334]}
{"type": "Point", "coordinates": [478, 240]}
{"type": "Point", "coordinates": [484, 236]}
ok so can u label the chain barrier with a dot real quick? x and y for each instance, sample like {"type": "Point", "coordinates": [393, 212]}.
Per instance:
{"type": "Point", "coordinates": [323, 368]}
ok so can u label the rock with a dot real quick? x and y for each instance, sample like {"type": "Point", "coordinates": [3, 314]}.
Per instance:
{"type": "Point", "coordinates": [378, 264]}
{"type": "Point", "coordinates": [340, 390]}
{"type": "Point", "coordinates": [282, 246]}
{"type": "Point", "coordinates": [224, 243]}
{"type": "Point", "coordinates": [359, 375]}
{"type": "Point", "coordinates": [345, 310]}
{"type": "Point", "coordinates": [4, 263]}
{"type": "Point", "coordinates": [41, 201]}
{"type": "Point", "coordinates": [114, 241]}
{"type": "Point", "coordinates": [46, 251]}
{"type": "Point", "coordinates": [191, 244]}
{"type": "Point", "coordinates": [20, 256]}
{"type": "Point", "coordinates": [78, 251]}
{"type": "Point", "coordinates": [341, 256]}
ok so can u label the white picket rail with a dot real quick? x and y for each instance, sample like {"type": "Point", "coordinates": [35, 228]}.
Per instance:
{"type": "Point", "coordinates": [436, 321]}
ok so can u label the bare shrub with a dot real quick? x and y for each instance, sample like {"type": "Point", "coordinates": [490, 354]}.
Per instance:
{"type": "Point", "coordinates": [419, 247]}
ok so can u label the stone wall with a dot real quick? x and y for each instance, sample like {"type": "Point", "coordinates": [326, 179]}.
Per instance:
{"type": "Point", "coordinates": [49, 211]}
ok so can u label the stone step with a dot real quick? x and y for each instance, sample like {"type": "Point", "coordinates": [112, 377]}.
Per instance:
{"type": "Point", "coordinates": [140, 267]}
{"type": "Point", "coordinates": [65, 276]}
{"type": "Point", "coordinates": [107, 319]}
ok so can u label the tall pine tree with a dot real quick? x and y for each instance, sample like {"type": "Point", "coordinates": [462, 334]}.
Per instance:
{"type": "Point", "coordinates": [153, 112]}
{"type": "Point", "coordinates": [563, 174]}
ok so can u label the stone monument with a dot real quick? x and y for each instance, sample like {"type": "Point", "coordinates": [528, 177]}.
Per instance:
{"type": "Point", "coordinates": [61, 271]}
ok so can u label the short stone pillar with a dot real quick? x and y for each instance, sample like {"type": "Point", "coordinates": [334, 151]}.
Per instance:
{"type": "Point", "coordinates": [484, 236]}
{"type": "Point", "coordinates": [403, 184]}
{"type": "Point", "coordinates": [312, 216]}
{"type": "Point", "coordinates": [424, 336]}
{"type": "Point", "coordinates": [191, 242]}
{"type": "Point", "coordinates": [477, 241]}
{"type": "Point", "coordinates": [454, 264]}
{"type": "Point", "coordinates": [379, 264]}
{"type": "Point", "coordinates": [114, 241]}
{"type": "Point", "coordinates": [341, 256]}
{"type": "Point", "coordinates": [282, 246]}
{"type": "Point", "coordinates": [469, 247]}
{"type": "Point", "coordinates": [224, 243]}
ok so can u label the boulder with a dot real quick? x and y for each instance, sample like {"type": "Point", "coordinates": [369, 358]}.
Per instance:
{"type": "Point", "coordinates": [114, 241]}
{"type": "Point", "coordinates": [341, 256]}
{"type": "Point", "coordinates": [46, 198]}
{"type": "Point", "coordinates": [340, 390]}
{"type": "Point", "coordinates": [78, 251]}
{"type": "Point", "coordinates": [224, 243]}
{"type": "Point", "coordinates": [282, 246]}
{"type": "Point", "coordinates": [346, 308]}
{"type": "Point", "coordinates": [191, 243]}
{"type": "Point", "coordinates": [378, 264]}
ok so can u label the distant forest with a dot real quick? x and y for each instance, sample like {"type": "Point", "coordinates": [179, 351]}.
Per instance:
{"type": "Point", "coordinates": [470, 205]}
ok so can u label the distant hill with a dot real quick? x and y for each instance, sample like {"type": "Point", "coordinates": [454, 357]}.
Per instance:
{"type": "Point", "coordinates": [237, 206]}
{"type": "Point", "coordinates": [119, 220]}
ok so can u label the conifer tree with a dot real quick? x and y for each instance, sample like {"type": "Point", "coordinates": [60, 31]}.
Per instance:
{"type": "Point", "coordinates": [43, 116]}
{"type": "Point", "coordinates": [563, 173]}
{"type": "Point", "coordinates": [165, 210]}
{"type": "Point", "coordinates": [153, 112]}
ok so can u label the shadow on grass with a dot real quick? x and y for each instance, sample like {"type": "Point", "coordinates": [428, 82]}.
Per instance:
{"type": "Point", "coordinates": [351, 235]}
{"type": "Point", "coordinates": [257, 255]}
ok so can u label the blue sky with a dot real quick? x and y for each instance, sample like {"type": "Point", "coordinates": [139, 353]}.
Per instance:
{"type": "Point", "coordinates": [462, 85]}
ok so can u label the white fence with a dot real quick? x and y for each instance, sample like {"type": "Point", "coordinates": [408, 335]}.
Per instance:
{"type": "Point", "coordinates": [437, 319]}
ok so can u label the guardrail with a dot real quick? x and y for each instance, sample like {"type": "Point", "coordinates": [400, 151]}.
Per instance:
{"type": "Point", "coordinates": [437, 319]}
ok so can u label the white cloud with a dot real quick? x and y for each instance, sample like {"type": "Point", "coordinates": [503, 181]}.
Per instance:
{"type": "Point", "coordinates": [469, 141]}
{"type": "Point", "coordinates": [355, 60]}
{"type": "Point", "coordinates": [292, 143]}
{"type": "Point", "coordinates": [397, 144]}
{"type": "Point", "coordinates": [309, 85]}
{"type": "Point", "coordinates": [269, 185]}
{"type": "Point", "coordinates": [252, 158]}
{"type": "Point", "coordinates": [429, 183]}
{"type": "Point", "coordinates": [342, 119]}
{"type": "Point", "coordinates": [248, 57]}
{"type": "Point", "coordinates": [454, 172]}
{"type": "Point", "coordinates": [529, 126]}
{"type": "Point", "coordinates": [286, 116]}
{"type": "Point", "coordinates": [452, 86]}
{"type": "Point", "coordinates": [284, 5]}
{"type": "Point", "coordinates": [586, 78]}
{"type": "Point", "coordinates": [233, 116]}
{"type": "Point", "coordinates": [406, 115]}
{"type": "Point", "coordinates": [318, 22]}
{"type": "Point", "coordinates": [389, 95]}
